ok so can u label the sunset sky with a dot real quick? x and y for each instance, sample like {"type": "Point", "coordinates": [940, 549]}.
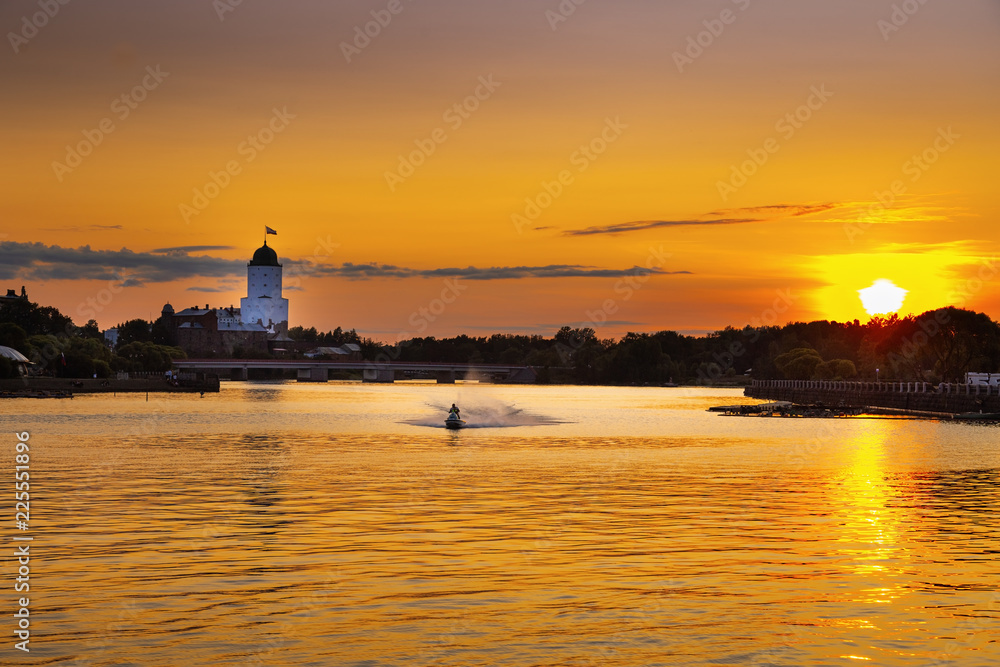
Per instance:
{"type": "Point", "coordinates": [629, 165]}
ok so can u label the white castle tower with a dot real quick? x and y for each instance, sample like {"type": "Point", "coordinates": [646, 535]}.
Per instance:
{"type": "Point", "coordinates": [264, 304]}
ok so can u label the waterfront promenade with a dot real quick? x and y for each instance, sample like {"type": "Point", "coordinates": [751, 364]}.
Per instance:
{"type": "Point", "coordinates": [918, 396]}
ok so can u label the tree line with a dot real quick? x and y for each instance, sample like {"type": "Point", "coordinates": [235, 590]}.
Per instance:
{"type": "Point", "coordinates": [936, 346]}
{"type": "Point", "coordinates": [57, 347]}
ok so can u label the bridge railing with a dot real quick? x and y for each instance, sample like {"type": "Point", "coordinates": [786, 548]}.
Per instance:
{"type": "Point", "coordinates": [880, 387]}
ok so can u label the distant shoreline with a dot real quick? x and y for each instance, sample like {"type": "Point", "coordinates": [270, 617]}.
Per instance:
{"type": "Point", "coordinates": [38, 387]}
{"type": "Point", "coordinates": [68, 387]}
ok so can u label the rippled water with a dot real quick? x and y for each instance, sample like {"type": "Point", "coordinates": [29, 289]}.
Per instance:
{"type": "Point", "coordinates": [295, 524]}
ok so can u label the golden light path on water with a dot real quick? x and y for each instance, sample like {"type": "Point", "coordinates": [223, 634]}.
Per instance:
{"type": "Point", "coordinates": [286, 524]}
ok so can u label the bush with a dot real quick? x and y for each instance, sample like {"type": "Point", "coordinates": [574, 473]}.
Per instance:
{"type": "Point", "coordinates": [148, 357]}
{"type": "Point", "coordinates": [837, 369]}
{"type": "Point", "coordinates": [8, 369]}
{"type": "Point", "coordinates": [799, 364]}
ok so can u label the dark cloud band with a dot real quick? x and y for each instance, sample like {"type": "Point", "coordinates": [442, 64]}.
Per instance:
{"type": "Point", "coordinates": [37, 261]}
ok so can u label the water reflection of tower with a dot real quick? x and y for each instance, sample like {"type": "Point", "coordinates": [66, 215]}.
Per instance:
{"type": "Point", "coordinates": [264, 457]}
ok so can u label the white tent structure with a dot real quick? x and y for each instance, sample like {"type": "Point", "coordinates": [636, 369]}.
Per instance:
{"type": "Point", "coordinates": [19, 359]}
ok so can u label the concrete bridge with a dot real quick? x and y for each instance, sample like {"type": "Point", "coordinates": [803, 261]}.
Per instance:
{"type": "Point", "coordinates": [309, 370]}
{"type": "Point", "coordinates": [917, 396]}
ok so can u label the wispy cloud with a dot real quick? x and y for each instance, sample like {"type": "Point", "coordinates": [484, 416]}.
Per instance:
{"type": "Point", "coordinates": [624, 227]}
{"type": "Point", "coordinates": [188, 249]}
{"type": "Point", "coordinates": [85, 228]}
{"type": "Point", "coordinates": [735, 216]}
{"type": "Point", "coordinates": [777, 210]}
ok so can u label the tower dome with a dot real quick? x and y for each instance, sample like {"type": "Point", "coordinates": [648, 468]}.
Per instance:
{"type": "Point", "coordinates": [265, 256]}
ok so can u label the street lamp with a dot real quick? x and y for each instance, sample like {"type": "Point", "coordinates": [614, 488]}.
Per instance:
{"type": "Point", "coordinates": [876, 375]}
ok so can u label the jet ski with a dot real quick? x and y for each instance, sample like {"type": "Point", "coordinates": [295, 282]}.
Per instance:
{"type": "Point", "coordinates": [454, 421]}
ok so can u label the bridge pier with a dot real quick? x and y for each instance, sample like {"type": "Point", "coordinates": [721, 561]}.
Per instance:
{"type": "Point", "coordinates": [378, 375]}
{"type": "Point", "coordinates": [238, 374]}
{"type": "Point", "coordinates": [314, 375]}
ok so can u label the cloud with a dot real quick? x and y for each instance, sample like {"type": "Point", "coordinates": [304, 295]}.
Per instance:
{"type": "Point", "coordinates": [736, 216]}
{"type": "Point", "coordinates": [188, 249]}
{"type": "Point", "coordinates": [369, 271]}
{"type": "Point", "coordinates": [624, 227]}
{"type": "Point", "coordinates": [87, 228]}
{"type": "Point", "coordinates": [779, 210]}
{"type": "Point", "coordinates": [37, 261]}
{"type": "Point", "coordinates": [209, 290]}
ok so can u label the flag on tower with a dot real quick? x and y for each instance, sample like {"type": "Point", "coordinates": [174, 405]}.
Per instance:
{"type": "Point", "coordinates": [268, 230]}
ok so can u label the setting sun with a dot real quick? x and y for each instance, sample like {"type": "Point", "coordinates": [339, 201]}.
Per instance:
{"type": "Point", "coordinates": [882, 298]}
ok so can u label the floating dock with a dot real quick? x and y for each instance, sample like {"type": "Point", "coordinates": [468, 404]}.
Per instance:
{"type": "Point", "coordinates": [820, 411]}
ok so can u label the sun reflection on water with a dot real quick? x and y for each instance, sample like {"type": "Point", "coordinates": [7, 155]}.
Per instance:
{"type": "Point", "coordinates": [292, 530]}
{"type": "Point", "coordinates": [870, 535]}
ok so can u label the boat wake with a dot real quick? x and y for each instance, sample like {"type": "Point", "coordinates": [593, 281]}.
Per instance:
{"type": "Point", "coordinates": [483, 412]}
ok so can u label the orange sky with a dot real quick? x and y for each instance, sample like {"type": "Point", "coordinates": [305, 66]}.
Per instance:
{"type": "Point", "coordinates": [793, 237]}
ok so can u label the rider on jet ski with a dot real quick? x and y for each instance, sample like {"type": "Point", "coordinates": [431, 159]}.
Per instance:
{"type": "Point", "coordinates": [454, 411]}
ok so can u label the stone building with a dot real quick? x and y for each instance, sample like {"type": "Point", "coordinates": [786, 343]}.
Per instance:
{"type": "Point", "coordinates": [254, 327]}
